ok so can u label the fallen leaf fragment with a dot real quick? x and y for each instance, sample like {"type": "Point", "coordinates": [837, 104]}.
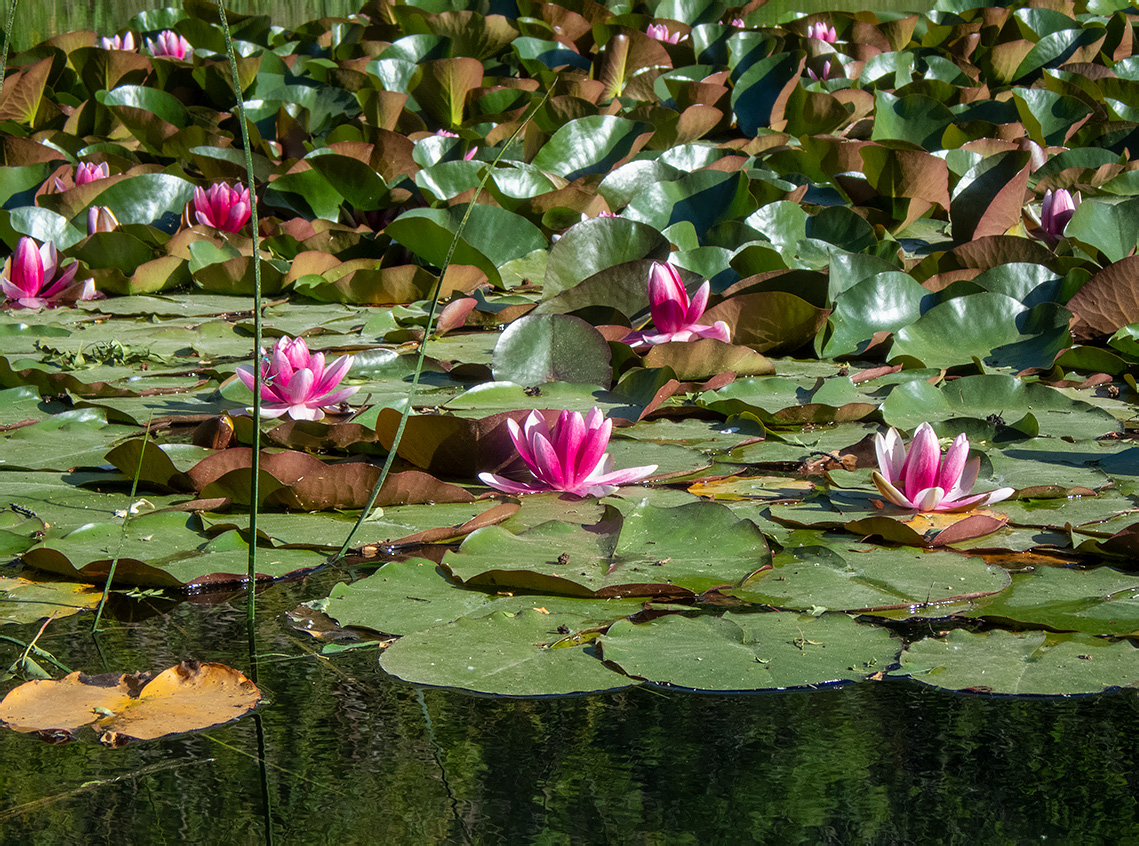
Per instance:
{"type": "Point", "coordinates": [187, 697]}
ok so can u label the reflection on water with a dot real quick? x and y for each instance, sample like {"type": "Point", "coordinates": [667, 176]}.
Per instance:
{"type": "Point", "coordinates": [355, 756]}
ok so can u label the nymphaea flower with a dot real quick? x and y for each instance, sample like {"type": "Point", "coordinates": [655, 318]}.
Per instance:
{"type": "Point", "coordinates": [826, 74]}
{"type": "Point", "coordinates": [221, 207]}
{"type": "Point", "coordinates": [570, 458]}
{"type": "Point", "coordinates": [919, 479]}
{"type": "Point", "coordinates": [169, 45]}
{"type": "Point", "coordinates": [674, 315]}
{"type": "Point", "coordinates": [32, 278]}
{"type": "Point", "coordinates": [89, 171]}
{"type": "Point", "coordinates": [118, 42]}
{"type": "Point", "coordinates": [660, 33]}
{"type": "Point", "coordinates": [823, 32]}
{"type": "Point", "coordinates": [101, 219]}
{"type": "Point", "coordinates": [1059, 206]}
{"type": "Point", "coordinates": [297, 383]}
{"type": "Point", "coordinates": [85, 172]}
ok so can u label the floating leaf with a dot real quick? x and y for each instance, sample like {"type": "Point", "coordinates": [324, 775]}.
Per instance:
{"type": "Point", "coordinates": [749, 651]}
{"type": "Point", "coordinates": [187, 697]}
{"type": "Point", "coordinates": [1025, 663]}
{"type": "Point", "coordinates": [505, 654]}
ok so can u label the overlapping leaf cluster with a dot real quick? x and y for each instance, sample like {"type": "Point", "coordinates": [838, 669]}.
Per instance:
{"type": "Point", "coordinates": [870, 238]}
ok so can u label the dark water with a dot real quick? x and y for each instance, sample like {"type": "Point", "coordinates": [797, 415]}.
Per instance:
{"type": "Point", "coordinates": [355, 756]}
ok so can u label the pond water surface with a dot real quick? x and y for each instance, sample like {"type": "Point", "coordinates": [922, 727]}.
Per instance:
{"type": "Point", "coordinates": [355, 756]}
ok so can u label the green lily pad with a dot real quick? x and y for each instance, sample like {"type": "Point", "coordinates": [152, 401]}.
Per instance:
{"type": "Point", "coordinates": [504, 654]}
{"type": "Point", "coordinates": [1026, 663]}
{"type": "Point", "coordinates": [850, 576]}
{"type": "Point", "coordinates": [749, 651]}
{"type": "Point", "coordinates": [647, 552]}
{"type": "Point", "coordinates": [409, 596]}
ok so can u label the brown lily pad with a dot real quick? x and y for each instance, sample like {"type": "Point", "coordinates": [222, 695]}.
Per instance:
{"type": "Point", "coordinates": [187, 697]}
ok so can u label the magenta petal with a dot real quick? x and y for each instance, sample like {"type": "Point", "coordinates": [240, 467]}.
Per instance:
{"type": "Point", "coordinates": [245, 374]}
{"type": "Point", "coordinates": [922, 462]}
{"type": "Point", "coordinates": [549, 466]}
{"type": "Point", "coordinates": [569, 438]}
{"type": "Point", "coordinates": [27, 265]}
{"type": "Point", "coordinates": [698, 304]}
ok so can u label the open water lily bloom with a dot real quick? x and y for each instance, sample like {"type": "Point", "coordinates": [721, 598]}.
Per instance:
{"type": "Point", "coordinates": [118, 42]}
{"type": "Point", "coordinates": [296, 382]}
{"type": "Point", "coordinates": [169, 45]}
{"type": "Point", "coordinates": [32, 278]}
{"type": "Point", "coordinates": [570, 458]}
{"type": "Point", "coordinates": [920, 479]}
{"type": "Point", "coordinates": [222, 207]}
{"type": "Point", "coordinates": [660, 33]}
{"type": "Point", "coordinates": [674, 315]}
{"type": "Point", "coordinates": [823, 32]}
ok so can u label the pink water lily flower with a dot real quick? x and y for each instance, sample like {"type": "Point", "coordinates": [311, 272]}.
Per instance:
{"type": "Point", "coordinates": [89, 171]}
{"type": "Point", "coordinates": [296, 383]}
{"type": "Point", "coordinates": [570, 458]}
{"type": "Point", "coordinates": [32, 278]}
{"type": "Point", "coordinates": [823, 32]}
{"type": "Point", "coordinates": [660, 33]}
{"type": "Point", "coordinates": [101, 219]}
{"type": "Point", "coordinates": [919, 479]}
{"type": "Point", "coordinates": [221, 207]}
{"type": "Point", "coordinates": [118, 42]}
{"type": "Point", "coordinates": [1059, 206]}
{"type": "Point", "coordinates": [169, 45]}
{"type": "Point", "coordinates": [824, 75]}
{"type": "Point", "coordinates": [674, 315]}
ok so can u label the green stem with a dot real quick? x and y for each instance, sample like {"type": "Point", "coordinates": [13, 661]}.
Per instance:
{"type": "Point", "coordinates": [7, 38]}
{"type": "Point", "coordinates": [123, 533]}
{"type": "Point", "coordinates": [255, 469]}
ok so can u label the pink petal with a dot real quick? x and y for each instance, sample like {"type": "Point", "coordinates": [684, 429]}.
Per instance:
{"type": "Point", "coordinates": [338, 397]}
{"type": "Point", "coordinates": [891, 454]}
{"type": "Point", "coordinates": [620, 477]}
{"type": "Point", "coordinates": [299, 387]}
{"type": "Point", "coordinates": [953, 463]}
{"type": "Point", "coordinates": [929, 499]}
{"type": "Point", "coordinates": [549, 466]}
{"type": "Point", "coordinates": [592, 450]}
{"type": "Point", "coordinates": [333, 375]}
{"type": "Point", "coordinates": [522, 443]}
{"type": "Point", "coordinates": [510, 486]}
